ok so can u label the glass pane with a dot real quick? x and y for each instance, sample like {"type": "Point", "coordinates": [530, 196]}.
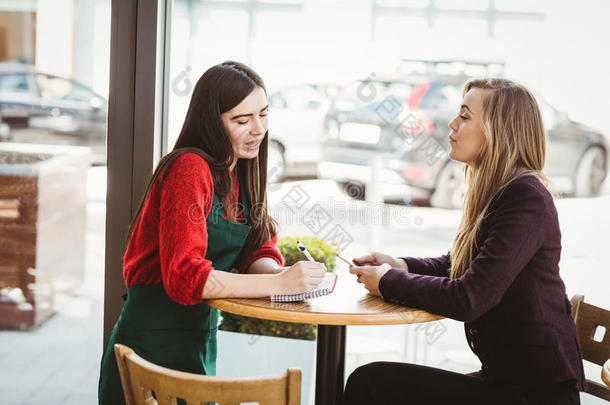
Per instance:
{"type": "Point", "coordinates": [403, 3]}
{"type": "Point", "coordinates": [57, 88]}
{"type": "Point", "coordinates": [54, 71]}
{"type": "Point", "coordinates": [463, 4]}
{"type": "Point", "coordinates": [522, 6]}
{"type": "Point", "coordinates": [345, 80]}
{"type": "Point", "coordinates": [14, 83]}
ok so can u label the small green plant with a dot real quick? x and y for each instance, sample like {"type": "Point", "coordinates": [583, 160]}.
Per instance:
{"type": "Point", "coordinates": [321, 252]}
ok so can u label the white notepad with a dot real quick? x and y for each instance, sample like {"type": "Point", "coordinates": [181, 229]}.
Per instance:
{"type": "Point", "coordinates": [326, 287]}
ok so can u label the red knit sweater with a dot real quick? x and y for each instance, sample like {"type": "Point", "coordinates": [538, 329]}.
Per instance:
{"type": "Point", "coordinates": [169, 242]}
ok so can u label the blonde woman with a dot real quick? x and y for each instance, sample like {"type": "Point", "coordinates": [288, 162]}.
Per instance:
{"type": "Point", "coordinates": [501, 277]}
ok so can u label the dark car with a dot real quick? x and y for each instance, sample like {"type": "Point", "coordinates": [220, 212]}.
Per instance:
{"type": "Point", "coordinates": [405, 118]}
{"type": "Point", "coordinates": [46, 108]}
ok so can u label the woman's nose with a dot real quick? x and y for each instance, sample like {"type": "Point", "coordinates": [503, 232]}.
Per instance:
{"type": "Point", "coordinates": [257, 127]}
{"type": "Point", "coordinates": [452, 125]}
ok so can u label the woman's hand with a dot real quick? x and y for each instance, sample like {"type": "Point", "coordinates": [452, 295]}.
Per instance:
{"type": "Point", "coordinates": [370, 276]}
{"type": "Point", "coordinates": [301, 277]}
{"type": "Point", "coordinates": [377, 259]}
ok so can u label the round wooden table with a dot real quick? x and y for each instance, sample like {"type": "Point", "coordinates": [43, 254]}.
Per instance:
{"type": "Point", "coordinates": [349, 304]}
{"type": "Point", "coordinates": [606, 373]}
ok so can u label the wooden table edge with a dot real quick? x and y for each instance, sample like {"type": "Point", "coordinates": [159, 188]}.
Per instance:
{"type": "Point", "coordinates": [318, 318]}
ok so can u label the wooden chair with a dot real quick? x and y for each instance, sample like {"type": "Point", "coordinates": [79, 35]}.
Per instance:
{"type": "Point", "coordinates": [140, 378]}
{"type": "Point", "coordinates": [587, 318]}
{"type": "Point", "coordinates": [606, 373]}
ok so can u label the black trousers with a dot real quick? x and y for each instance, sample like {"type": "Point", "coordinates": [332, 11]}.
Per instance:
{"type": "Point", "coordinates": [402, 383]}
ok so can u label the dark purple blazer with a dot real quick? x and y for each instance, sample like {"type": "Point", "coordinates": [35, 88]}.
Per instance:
{"type": "Point", "coordinates": [512, 299]}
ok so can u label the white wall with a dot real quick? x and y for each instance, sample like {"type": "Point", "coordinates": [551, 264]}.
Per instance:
{"type": "Point", "coordinates": [92, 44]}
{"type": "Point", "coordinates": [54, 36]}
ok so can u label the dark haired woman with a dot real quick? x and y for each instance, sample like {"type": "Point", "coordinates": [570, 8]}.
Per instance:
{"type": "Point", "coordinates": [204, 213]}
{"type": "Point", "coordinates": [501, 277]}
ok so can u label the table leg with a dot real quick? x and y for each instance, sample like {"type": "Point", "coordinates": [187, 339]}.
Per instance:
{"type": "Point", "coordinates": [330, 364]}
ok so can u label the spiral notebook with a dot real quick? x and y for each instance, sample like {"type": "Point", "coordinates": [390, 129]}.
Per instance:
{"type": "Point", "coordinates": [326, 287]}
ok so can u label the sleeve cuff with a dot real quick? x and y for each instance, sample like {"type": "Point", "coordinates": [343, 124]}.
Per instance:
{"type": "Point", "coordinates": [431, 266]}
{"type": "Point", "coordinates": [271, 253]}
{"type": "Point", "coordinates": [389, 284]}
{"type": "Point", "coordinates": [415, 265]}
{"type": "Point", "coordinates": [189, 292]}
{"type": "Point", "coordinates": [397, 286]}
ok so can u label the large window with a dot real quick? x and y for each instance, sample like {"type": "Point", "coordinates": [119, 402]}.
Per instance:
{"type": "Point", "coordinates": [342, 79]}
{"type": "Point", "coordinates": [53, 111]}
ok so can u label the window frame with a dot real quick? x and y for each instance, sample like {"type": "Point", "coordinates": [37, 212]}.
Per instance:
{"type": "Point", "coordinates": [137, 103]}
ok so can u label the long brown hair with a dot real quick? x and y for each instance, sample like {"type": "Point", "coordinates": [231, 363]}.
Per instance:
{"type": "Point", "coordinates": [218, 90]}
{"type": "Point", "coordinates": [515, 146]}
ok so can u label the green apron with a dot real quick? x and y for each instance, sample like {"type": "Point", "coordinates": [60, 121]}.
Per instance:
{"type": "Point", "coordinates": [180, 337]}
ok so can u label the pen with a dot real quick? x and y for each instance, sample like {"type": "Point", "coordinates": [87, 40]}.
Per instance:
{"type": "Point", "coordinates": [304, 250]}
{"type": "Point", "coordinates": [351, 263]}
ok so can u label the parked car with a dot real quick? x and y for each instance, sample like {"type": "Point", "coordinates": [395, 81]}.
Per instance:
{"type": "Point", "coordinates": [407, 123]}
{"type": "Point", "coordinates": [296, 128]}
{"type": "Point", "coordinates": [51, 108]}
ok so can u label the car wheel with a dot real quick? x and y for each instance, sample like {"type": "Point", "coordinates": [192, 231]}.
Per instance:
{"type": "Point", "coordinates": [450, 187]}
{"type": "Point", "coordinates": [355, 190]}
{"type": "Point", "coordinates": [590, 173]}
{"type": "Point", "coordinates": [276, 162]}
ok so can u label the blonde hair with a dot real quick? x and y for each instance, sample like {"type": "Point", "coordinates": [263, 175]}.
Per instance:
{"type": "Point", "coordinates": [515, 146]}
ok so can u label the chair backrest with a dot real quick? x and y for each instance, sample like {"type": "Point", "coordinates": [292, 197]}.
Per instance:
{"type": "Point", "coordinates": [587, 318]}
{"type": "Point", "coordinates": [141, 378]}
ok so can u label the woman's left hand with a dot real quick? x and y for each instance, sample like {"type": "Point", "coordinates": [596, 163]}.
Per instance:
{"type": "Point", "coordinates": [370, 276]}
